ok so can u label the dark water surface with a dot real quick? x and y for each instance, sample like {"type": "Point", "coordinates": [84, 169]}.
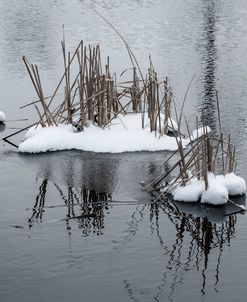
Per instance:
{"type": "Point", "coordinates": [78, 226]}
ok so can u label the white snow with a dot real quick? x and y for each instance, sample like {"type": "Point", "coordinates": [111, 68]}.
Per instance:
{"type": "Point", "coordinates": [2, 117]}
{"type": "Point", "coordinates": [123, 135]}
{"type": "Point", "coordinates": [172, 124]}
{"type": "Point", "coordinates": [215, 194]}
{"type": "Point", "coordinates": [234, 184]}
{"type": "Point", "coordinates": [191, 192]}
{"type": "Point", "coordinates": [196, 134]}
{"type": "Point", "coordinates": [219, 188]}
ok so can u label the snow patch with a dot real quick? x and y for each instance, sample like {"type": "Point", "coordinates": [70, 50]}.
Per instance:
{"type": "Point", "coordinates": [215, 194]}
{"type": "Point", "coordinates": [124, 134]}
{"type": "Point", "coordinates": [234, 184]}
{"type": "Point", "coordinates": [197, 134]}
{"type": "Point", "coordinates": [191, 192]}
{"type": "Point", "coordinates": [219, 188]}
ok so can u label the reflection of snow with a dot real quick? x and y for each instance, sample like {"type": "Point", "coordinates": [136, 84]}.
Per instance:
{"type": "Point", "coordinates": [124, 134]}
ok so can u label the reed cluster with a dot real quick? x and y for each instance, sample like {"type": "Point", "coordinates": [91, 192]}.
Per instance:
{"type": "Point", "coordinates": [205, 155]}
{"type": "Point", "coordinates": [89, 93]}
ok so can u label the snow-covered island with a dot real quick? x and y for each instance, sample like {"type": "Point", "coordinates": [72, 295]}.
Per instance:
{"type": "Point", "coordinates": [95, 112]}
{"type": "Point", "coordinates": [91, 111]}
{"type": "Point", "coordinates": [124, 134]}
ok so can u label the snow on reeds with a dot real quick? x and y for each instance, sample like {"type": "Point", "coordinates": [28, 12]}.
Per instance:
{"type": "Point", "coordinates": [89, 93]}
{"type": "Point", "coordinates": [205, 171]}
{"type": "Point", "coordinates": [88, 99]}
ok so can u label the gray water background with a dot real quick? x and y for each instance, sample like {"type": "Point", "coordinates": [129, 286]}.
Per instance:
{"type": "Point", "coordinates": [129, 250]}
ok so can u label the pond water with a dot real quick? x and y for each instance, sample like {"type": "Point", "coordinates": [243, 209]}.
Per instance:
{"type": "Point", "coordinates": [127, 248]}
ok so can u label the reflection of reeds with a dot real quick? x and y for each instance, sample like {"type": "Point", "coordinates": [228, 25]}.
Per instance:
{"type": "Point", "coordinates": [90, 206]}
{"type": "Point", "coordinates": [195, 238]}
{"type": "Point", "coordinates": [85, 206]}
{"type": "Point", "coordinates": [205, 236]}
{"type": "Point", "coordinates": [38, 208]}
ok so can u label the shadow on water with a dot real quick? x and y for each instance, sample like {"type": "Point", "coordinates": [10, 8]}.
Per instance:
{"type": "Point", "coordinates": [111, 173]}
{"type": "Point", "coordinates": [2, 127]}
{"type": "Point", "coordinates": [84, 170]}
{"type": "Point", "coordinates": [88, 184]}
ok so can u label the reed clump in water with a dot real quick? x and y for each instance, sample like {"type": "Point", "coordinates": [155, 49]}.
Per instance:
{"type": "Point", "coordinates": [203, 157]}
{"type": "Point", "coordinates": [89, 93]}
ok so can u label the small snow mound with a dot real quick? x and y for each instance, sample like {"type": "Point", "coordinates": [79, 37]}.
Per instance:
{"type": "Point", "coordinates": [220, 187]}
{"type": "Point", "coordinates": [234, 184]}
{"type": "Point", "coordinates": [191, 192]}
{"type": "Point", "coordinates": [215, 194]}
{"type": "Point", "coordinates": [2, 117]}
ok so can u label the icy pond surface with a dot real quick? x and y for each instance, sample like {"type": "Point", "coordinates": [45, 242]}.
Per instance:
{"type": "Point", "coordinates": [127, 249]}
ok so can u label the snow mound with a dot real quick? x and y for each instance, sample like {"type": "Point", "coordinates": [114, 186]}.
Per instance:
{"type": "Point", "coordinates": [125, 134]}
{"type": "Point", "coordinates": [215, 194]}
{"type": "Point", "coordinates": [191, 192]}
{"type": "Point", "coordinates": [2, 117]}
{"type": "Point", "coordinates": [219, 188]}
{"type": "Point", "coordinates": [234, 184]}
